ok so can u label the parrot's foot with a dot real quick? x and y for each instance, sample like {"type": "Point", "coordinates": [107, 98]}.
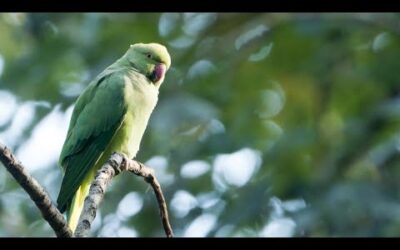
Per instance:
{"type": "Point", "coordinates": [125, 162]}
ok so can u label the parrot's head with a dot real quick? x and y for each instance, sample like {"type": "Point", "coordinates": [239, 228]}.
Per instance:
{"type": "Point", "coordinates": [150, 59]}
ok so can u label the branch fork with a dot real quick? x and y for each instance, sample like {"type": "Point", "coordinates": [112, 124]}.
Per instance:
{"type": "Point", "coordinates": [114, 166]}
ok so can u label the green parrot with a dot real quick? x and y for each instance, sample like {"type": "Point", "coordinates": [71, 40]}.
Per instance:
{"type": "Point", "coordinates": [109, 116]}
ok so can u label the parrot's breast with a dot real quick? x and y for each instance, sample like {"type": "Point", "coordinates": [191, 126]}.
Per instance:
{"type": "Point", "coordinates": [140, 100]}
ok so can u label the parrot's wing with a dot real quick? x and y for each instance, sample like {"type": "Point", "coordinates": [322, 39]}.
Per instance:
{"type": "Point", "coordinates": [97, 116]}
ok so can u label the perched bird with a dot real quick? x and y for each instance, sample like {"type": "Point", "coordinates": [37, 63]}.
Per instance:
{"type": "Point", "coordinates": [109, 116]}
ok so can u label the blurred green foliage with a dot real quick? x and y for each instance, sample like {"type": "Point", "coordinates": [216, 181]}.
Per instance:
{"type": "Point", "coordinates": [267, 124]}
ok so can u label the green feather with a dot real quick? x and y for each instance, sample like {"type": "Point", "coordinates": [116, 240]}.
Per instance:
{"type": "Point", "coordinates": [110, 115]}
{"type": "Point", "coordinates": [90, 134]}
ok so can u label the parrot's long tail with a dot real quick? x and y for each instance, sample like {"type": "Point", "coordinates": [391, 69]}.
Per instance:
{"type": "Point", "coordinates": [77, 203]}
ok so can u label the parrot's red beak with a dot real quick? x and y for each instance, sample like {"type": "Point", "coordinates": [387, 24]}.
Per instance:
{"type": "Point", "coordinates": [158, 73]}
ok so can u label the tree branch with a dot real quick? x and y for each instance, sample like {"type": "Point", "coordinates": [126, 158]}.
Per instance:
{"type": "Point", "coordinates": [116, 164]}
{"type": "Point", "coordinates": [37, 193]}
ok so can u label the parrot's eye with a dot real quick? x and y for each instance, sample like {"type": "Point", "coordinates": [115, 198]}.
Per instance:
{"type": "Point", "coordinates": [148, 55]}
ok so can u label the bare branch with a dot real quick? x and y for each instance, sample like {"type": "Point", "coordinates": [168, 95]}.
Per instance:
{"type": "Point", "coordinates": [52, 215]}
{"type": "Point", "coordinates": [37, 193]}
{"type": "Point", "coordinates": [147, 173]}
{"type": "Point", "coordinates": [112, 167]}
